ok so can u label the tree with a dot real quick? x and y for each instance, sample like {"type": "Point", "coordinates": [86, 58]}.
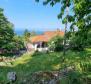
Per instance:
{"type": "Point", "coordinates": [27, 35]}
{"type": "Point", "coordinates": [6, 31]}
{"type": "Point", "coordinates": [80, 20]}
{"type": "Point", "coordinates": [9, 42]}
{"type": "Point", "coordinates": [33, 33]}
{"type": "Point", "coordinates": [81, 17]}
{"type": "Point", "coordinates": [18, 42]}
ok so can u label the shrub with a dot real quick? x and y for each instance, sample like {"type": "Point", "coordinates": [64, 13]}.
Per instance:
{"type": "Point", "coordinates": [89, 39]}
{"type": "Point", "coordinates": [76, 43]}
{"type": "Point", "coordinates": [56, 43]}
{"type": "Point", "coordinates": [80, 40]}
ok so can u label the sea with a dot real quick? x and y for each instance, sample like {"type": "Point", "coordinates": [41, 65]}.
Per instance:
{"type": "Point", "coordinates": [21, 32]}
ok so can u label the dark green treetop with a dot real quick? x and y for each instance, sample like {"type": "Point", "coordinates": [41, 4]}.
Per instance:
{"type": "Point", "coordinates": [6, 30]}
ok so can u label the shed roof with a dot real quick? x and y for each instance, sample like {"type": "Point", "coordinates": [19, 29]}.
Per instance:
{"type": "Point", "coordinates": [46, 36]}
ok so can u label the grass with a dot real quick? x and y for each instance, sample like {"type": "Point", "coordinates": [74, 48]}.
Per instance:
{"type": "Point", "coordinates": [29, 63]}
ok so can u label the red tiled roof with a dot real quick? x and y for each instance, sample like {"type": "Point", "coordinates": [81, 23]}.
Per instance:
{"type": "Point", "coordinates": [46, 36]}
{"type": "Point", "coordinates": [39, 38]}
{"type": "Point", "coordinates": [53, 33]}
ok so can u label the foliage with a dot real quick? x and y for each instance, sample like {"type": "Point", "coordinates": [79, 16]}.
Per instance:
{"type": "Point", "coordinates": [33, 33]}
{"type": "Point", "coordinates": [81, 11]}
{"type": "Point", "coordinates": [89, 38]}
{"type": "Point", "coordinates": [27, 64]}
{"type": "Point", "coordinates": [27, 35]}
{"type": "Point", "coordinates": [18, 42]}
{"type": "Point", "coordinates": [80, 40]}
{"type": "Point", "coordinates": [56, 43]}
{"type": "Point", "coordinates": [76, 42]}
{"type": "Point", "coordinates": [75, 78]}
{"type": "Point", "coordinates": [6, 31]}
{"type": "Point", "coordinates": [80, 18]}
{"type": "Point", "coordinates": [9, 42]}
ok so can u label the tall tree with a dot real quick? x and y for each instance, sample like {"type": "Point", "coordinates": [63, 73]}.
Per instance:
{"type": "Point", "coordinates": [6, 31]}
{"type": "Point", "coordinates": [27, 35]}
{"type": "Point", "coordinates": [80, 18]}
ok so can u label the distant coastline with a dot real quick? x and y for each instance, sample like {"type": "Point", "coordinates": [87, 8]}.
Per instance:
{"type": "Point", "coordinates": [20, 32]}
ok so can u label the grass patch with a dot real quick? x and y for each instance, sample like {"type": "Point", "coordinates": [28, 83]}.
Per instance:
{"type": "Point", "coordinates": [29, 63]}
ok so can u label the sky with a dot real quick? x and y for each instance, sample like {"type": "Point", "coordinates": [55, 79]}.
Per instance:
{"type": "Point", "coordinates": [27, 14]}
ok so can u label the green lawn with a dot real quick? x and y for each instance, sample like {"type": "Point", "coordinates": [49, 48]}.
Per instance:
{"type": "Point", "coordinates": [29, 63]}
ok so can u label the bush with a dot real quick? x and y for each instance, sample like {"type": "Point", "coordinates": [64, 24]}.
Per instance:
{"type": "Point", "coordinates": [89, 39]}
{"type": "Point", "coordinates": [76, 43]}
{"type": "Point", "coordinates": [56, 43]}
{"type": "Point", "coordinates": [79, 41]}
{"type": "Point", "coordinates": [13, 47]}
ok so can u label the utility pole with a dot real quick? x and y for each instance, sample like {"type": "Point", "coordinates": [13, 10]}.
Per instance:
{"type": "Point", "coordinates": [64, 50]}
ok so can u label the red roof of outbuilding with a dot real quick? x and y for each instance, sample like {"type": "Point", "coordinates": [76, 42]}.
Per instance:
{"type": "Point", "coordinates": [46, 36]}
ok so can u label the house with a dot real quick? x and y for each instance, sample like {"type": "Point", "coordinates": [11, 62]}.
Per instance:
{"type": "Point", "coordinates": [39, 42]}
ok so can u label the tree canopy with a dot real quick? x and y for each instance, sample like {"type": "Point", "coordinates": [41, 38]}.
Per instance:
{"type": "Point", "coordinates": [81, 9]}
{"type": "Point", "coordinates": [9, 41]}
{"type": "Point", "coordinates": [27, 35]}
{"type": "Point", "coordinates": [79, 16]}
{"type": "Point", "coordinates": [6, 30]}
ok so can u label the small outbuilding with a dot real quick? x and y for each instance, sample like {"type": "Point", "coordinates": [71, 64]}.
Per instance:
{"type": "Point", "coordinates": [39, 42]}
